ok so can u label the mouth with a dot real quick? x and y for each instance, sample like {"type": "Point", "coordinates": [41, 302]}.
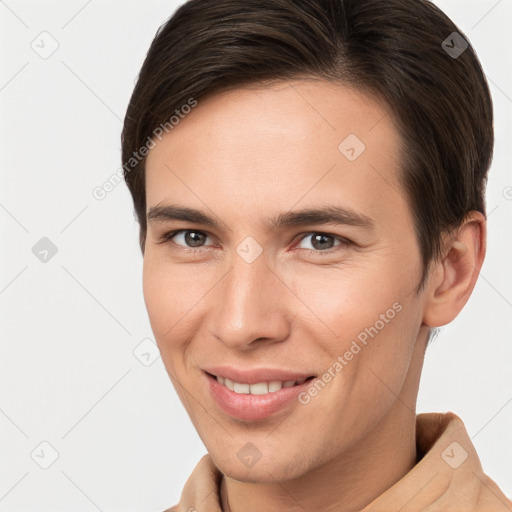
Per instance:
{"type": "Point", "coordinates": [258, 388]}
{"type": "Point", "coordinates": [256, 401]}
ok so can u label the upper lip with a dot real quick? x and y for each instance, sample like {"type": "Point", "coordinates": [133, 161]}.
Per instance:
{"type": "Point", "coordinates": [255, 375]}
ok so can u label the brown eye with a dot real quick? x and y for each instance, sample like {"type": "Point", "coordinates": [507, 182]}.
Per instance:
{"type": "Point", "coordinates": [321, 242]}
{"type": "Point", "coordinates": [187, 238]}
{"type": "Point", "coordinates": [194, 238]}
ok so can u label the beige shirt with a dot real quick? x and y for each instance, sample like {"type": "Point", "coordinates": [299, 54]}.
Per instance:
{"type": "Point", "coordinates": [448, 477]}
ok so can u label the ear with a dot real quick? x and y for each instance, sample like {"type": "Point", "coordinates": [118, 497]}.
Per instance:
{"type": "Point", "coordinates": [454, 276]}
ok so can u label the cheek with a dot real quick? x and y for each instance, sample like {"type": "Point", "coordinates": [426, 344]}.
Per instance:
{"type": "Point", "coordinates": [166, 303]}
{"type": "Point", "coordinates": [168, 293]}
{"type": "Point", "coordinates": [346, 299]}
{"type": "Point", "coordinates": [157, 300]}
{"type": "Point", "coordinates": [363, 313]}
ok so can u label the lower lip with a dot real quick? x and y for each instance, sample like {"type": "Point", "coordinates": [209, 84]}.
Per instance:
{"type": "Point", "coordinates": [253, 407]}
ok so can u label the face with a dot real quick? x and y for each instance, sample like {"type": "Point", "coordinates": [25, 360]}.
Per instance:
{"type": "Point", "coordinates": [280, 246]}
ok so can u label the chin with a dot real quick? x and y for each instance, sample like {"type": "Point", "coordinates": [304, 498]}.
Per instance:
{"type": "Point", "coordinates": [237, 464]}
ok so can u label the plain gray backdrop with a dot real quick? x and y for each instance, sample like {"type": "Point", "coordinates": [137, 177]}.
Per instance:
{"type": "Point", "coordinates": [88, 416]}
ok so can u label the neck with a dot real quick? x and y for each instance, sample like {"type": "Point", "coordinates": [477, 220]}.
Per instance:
{"type": "Point", "coordinates": [348, 482]}
{"type": "Point", "coordinates": [352, 479]}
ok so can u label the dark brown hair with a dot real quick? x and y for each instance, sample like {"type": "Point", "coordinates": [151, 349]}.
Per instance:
{"type": "Point", "coordinates": [403, 51]}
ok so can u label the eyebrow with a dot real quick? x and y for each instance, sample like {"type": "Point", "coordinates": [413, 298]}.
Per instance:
{"type": "Point", "coordinates": [330, 214]}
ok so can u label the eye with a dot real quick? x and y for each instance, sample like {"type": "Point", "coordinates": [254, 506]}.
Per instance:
{"type": "Point", "coordinates": [189, 238]}
{"type": "Point", "coordinates": [315, 242]}
{"type": "Point", "coordinates": [321, 242]}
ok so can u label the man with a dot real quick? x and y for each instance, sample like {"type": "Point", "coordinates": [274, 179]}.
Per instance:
{"type": "Point", "coordinates": [309, 180]}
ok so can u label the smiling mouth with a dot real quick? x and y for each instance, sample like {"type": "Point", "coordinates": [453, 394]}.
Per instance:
{"type": "Point", "coordinates": [259, 388]}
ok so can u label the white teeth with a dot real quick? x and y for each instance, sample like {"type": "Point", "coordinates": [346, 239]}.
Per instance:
{"type": "Point", "coordinates": [261, 388]}
{"type": "Point", "coordinates": [242, 388]}
{"type": "Point", "coordinates": [275, 385]}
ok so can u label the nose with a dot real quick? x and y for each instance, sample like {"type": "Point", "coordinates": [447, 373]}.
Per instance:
{"type": "Point", "coordinates": [251, 306]}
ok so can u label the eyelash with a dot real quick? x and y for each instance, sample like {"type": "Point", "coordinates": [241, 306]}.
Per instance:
{"type": "Point", "coordinates": [344, 242]}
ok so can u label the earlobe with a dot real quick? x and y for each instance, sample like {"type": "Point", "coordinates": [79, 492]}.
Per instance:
{"type": "Point", "coordinates": [454, 276]}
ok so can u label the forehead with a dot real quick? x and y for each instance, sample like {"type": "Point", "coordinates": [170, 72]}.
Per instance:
{"type": "Point", "coordinates": [269, 148]}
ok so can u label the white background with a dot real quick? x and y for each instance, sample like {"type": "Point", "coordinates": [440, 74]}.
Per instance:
{"type": "Point", "coordinates": [69, 376]}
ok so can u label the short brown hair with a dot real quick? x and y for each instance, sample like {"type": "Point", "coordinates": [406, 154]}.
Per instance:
{"type": "Point", "coordinates": [395, 49]}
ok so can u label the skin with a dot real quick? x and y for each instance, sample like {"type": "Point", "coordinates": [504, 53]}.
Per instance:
{"type": "Point", "coordinates": [252, 153]}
